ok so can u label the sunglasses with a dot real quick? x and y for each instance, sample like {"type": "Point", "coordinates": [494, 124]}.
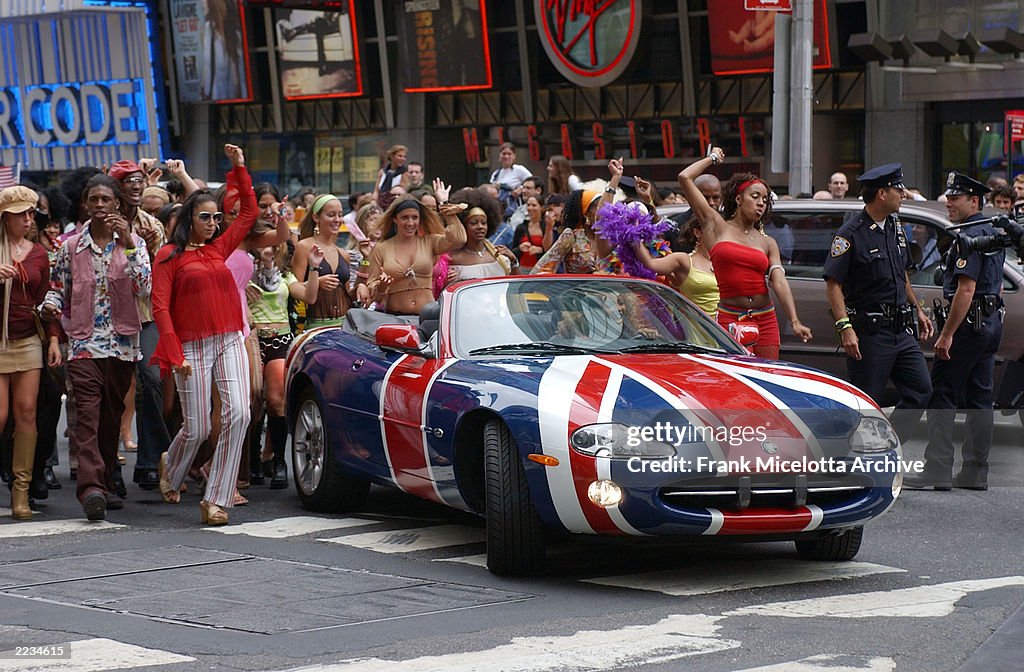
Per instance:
{"type": "Point", "coordinates": [133, 180]}
{"type": "Point", "coordinates": [207, 216]}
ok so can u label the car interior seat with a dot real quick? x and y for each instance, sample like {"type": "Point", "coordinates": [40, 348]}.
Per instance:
{"type": "Point", "coordinates": [430, 320]}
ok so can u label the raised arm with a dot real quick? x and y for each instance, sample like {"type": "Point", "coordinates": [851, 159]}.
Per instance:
{"type": "Point", "coordinates": [708, 216]}
{"type": "Point", "coordinates": [275, 237]}
{"type": "Point", "coordinates": [677, 263]}
{"type": "Point", "coordinates": [454, 233]}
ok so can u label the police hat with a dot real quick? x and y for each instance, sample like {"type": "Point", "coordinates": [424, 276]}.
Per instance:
{"type": "Point", "coordinates": [958, 183]}
{"type": "Point", "coordinates": [889, 175]}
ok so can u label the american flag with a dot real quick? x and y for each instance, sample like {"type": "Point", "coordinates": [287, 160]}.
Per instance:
{"type": "Point", "coordinates": [10, 175]}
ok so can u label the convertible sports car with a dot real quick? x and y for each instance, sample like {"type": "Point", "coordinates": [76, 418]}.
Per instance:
{"type": "Point", "coordinates": [586, 404]}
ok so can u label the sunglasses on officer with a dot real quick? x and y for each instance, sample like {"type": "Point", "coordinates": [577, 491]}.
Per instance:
{"type": "Point", "coordinates": [207, 216]}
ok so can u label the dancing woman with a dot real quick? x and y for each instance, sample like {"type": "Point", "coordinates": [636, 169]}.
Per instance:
{"type": "Point", "coordinates": [745, 258]}
{"type": "Point", "coordinates": [196, 307]}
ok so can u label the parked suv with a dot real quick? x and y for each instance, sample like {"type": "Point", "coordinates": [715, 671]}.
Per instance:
{"type": "Point", "coordinates": [804, 230]}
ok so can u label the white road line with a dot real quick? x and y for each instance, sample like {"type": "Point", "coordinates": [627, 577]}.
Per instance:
{"type": "Point", "coordinates": [918, 602]}
{"type": "Point", "coordinates": [475, 560]}
{"type": "Point", "coordinates": [672, 638]}
{"type": "Point", "coordinates": [93, 655]}
{"type": "Point", "coordinates": [415, 539]}
{"type": "Point", "coordinates": [831, 663]}
{"type": "Point", "coordinates": [741, 575]}
{"type": "Point", "coordinates": [42, 528]}
{"type": "Point", "coordinates": [281, 528]}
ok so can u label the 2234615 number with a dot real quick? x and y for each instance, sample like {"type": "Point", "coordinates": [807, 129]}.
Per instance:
{"type": "Point", "coordinates": [23, 652]}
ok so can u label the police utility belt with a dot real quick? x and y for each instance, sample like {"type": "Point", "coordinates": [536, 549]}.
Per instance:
{"type": "Point", "coordinates": [982, 306]}
{"type": "Point", "coordinates": [883, 316]}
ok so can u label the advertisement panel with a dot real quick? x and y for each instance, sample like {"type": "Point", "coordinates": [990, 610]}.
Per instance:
{"type": "Point", "coordinates": [318, 52]}
{"type": "Point", "coordinates": [743, 41]}
{"type": "Point", "coordinates": [76, 89]}
{"type": "Point", "coordinates": [211, 51]}
{"type": "Point", "coordinates": [430, 32]}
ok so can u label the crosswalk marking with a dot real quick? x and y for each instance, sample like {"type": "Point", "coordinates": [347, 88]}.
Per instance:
{"type": "Point", "coordinates": [409, 540]}
{"type": "Point", "coordinates": [741, 575]}
{"type": "Point", "coordinates": [281, 528]}
{"type": "Point", "coordinates": [672, 638]}
{"type": "Point", "coordinates": [41, 528]}
{"type": "Point", "coordinates": [92, 655]}
{"type": "Point", "coordinates": [917, 602]}
{"type": "Point", "coordinates": [831, 663]}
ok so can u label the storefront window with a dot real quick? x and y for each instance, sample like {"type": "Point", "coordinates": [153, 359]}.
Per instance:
{"type": "Point", "coordinates": [973, 148]}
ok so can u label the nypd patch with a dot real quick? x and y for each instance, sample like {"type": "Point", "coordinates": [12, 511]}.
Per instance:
{"type": "Point", "coordinates": [961, 263]}
{"type": "Point", "coordinates": [840, 246]}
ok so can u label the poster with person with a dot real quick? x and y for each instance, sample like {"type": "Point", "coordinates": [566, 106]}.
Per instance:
{"type": "Point", "coordinates": [743, 40]}
{"type": "Point", "coordinates": [318, 52]}
{"type": "Point", "coordinates": [211, 51]}
{"type": "Point", "coordinates": [443, 45]}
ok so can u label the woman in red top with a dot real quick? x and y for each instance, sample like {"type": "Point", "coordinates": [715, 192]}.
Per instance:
{"type": "Point", "coordinates": [528, 240]}
{"type": "Point", "coordinates": [24, 279]}
{"type": "Point", "coordinates": [196, 308]}
{"type": "Point", "coordinates": [745, 258]}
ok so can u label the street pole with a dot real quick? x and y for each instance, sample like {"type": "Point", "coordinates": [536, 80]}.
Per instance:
{"type": "Point", "coordinates": [801, 97]}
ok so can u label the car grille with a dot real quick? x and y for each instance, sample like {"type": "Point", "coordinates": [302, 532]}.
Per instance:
{"type": "Point", "coordinates": [758, 492]}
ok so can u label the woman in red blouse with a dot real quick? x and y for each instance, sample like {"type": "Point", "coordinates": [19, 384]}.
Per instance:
{"type": "Point", "coordinates": [528, 240]}
{"type": "Point", "coordinates": [24, 279]}
{"type": "Point", "coordinates": [196, 308]}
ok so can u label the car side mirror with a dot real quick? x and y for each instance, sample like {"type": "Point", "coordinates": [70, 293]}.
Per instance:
{"type": "Point", "coordinates": [745, 333]}
{"type": "Point", "coordinates": [400, 337]}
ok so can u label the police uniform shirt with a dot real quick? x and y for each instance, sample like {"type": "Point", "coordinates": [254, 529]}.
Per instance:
{"type": "Point", "coordinates": [870, 262]}
{"type": "Point", "coordinates": [986, 269]}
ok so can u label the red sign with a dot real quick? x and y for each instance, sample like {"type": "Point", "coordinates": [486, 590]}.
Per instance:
{"type": "Point", "coordinates": [1015, 125]}
{"type": "Point", "coordinates": [743, 42]}
{"type": "Point", "coordinates": [768, 5]}
{"type": "Point", "coordinates": [591, 43]}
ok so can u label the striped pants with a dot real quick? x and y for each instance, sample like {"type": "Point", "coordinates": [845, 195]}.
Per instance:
{"type": "Point", "coordinates": [219, 359]}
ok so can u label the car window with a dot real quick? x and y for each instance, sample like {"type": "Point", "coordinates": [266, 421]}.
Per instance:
{"type": "Point", "coordinates": [928, 246]}
{"type": "Point", "coordinates": [804, 240]}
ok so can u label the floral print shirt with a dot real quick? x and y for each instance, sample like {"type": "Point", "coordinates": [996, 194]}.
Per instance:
{"type": "Point", "coordinates": [104, 341]}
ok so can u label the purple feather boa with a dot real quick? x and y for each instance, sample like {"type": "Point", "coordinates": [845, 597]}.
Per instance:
{"type": "Point", "coordinates": [625, 224]}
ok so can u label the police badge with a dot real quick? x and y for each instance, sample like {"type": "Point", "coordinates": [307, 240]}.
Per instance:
{"type": "Point", "coordinates": [839, 246]}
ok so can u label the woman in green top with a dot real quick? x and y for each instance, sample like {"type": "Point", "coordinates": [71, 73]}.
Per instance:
{"type": "Point", "coordinates": [271, 285]}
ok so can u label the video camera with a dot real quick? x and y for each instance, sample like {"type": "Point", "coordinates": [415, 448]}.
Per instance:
{"type": "Point", "coordinates": [1014, 237]}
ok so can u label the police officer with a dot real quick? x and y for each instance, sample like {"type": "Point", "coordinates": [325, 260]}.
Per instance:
{"type": "Point", "coordinates": [965, 351]}
{"type": "Point", "coordinates": [873, 303]}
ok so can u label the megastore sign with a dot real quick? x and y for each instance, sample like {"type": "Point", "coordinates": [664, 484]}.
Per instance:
{"type": "Point", "coordinates": [590, 43]}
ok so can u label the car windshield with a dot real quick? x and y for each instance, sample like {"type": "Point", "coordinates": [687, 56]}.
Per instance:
{"type": "Point", "coordinates": [580, 316]}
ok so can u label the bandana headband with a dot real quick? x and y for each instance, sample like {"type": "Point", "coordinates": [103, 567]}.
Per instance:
{"type": "Point", "coordinates": [748, 183]}
{"type": "Point", "coordinates": [321, 201]}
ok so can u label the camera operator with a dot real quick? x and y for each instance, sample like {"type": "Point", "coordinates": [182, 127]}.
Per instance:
{"type": "Point", "coordinates": [966, 347]}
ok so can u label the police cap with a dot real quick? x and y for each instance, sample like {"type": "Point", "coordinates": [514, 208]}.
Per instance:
{"type": "Point", "coordinates": [958, 183]}
{"type": "Point", "coordinates": [889, 175]}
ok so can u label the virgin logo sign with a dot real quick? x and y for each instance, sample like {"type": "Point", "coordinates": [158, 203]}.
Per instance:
{"type": "Point", "coordinates": [591, 42]}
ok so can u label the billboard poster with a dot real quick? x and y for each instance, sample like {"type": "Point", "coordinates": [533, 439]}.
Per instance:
{"type": "Point", "coordinates": [743, 41]}
{"type": "Point", "coordinates": [318, 52]}
{"type": "Point", "coordinates": [211, 51]}
{"type": "Point", "coordinates": [430, 32]}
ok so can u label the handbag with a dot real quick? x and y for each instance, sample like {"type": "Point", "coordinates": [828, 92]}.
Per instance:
{"type": "Point", "coordinates": [36, 319]}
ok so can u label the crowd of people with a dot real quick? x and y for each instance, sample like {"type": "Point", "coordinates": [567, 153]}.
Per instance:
{"type": "Point", "coordinates": [175, 304]}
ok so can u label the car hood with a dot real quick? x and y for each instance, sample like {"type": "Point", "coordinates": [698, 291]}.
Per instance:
{"type": "Point", "coordinates": [741, 404]}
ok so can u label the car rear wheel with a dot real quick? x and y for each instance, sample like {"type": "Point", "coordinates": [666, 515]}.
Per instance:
{"type": "Point", "coordinates": [515, 535]}
{"type": "Point", "coordinates": [320, 482]}
{"type": "Point", "coordinates": [835, 547]}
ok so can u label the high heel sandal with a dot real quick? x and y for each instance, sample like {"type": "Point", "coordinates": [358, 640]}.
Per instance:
{"type": "Point", "coordinates": [211, 514]}
{"type": "Point", "coordinates": [167, 491]}
{"type": "Point", "coordinates": [239, 499]}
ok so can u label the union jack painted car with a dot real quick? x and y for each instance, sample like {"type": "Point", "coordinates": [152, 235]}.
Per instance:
{"type": "Point", "coordinates": [585, 404]}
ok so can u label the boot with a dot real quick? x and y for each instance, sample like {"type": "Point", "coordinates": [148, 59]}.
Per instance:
{"type": "Point", "coordinates": [23, 454]}
{"type": "Point", "coordinates": [277, 428]}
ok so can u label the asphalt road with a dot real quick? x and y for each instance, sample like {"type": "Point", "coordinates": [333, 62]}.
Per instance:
{"type": "Point", "coordinates": [399, 587]}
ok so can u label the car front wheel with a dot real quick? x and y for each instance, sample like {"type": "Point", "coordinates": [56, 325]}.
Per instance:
{"type": "Point", "coordinates": [321, 484]}
{"type": "Point", "coordinates": [515, 535]}
{"type": "Point", "coordinates": [834, 547]}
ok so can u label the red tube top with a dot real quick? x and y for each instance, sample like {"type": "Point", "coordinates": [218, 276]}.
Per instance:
{"type": "Point", "coordinates": [740, 269]}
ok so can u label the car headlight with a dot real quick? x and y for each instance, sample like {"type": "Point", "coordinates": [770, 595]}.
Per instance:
{"type": "Point", "coordinates": [874, 435]}
{"type": "Point", "coordinates": [612, 439]}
